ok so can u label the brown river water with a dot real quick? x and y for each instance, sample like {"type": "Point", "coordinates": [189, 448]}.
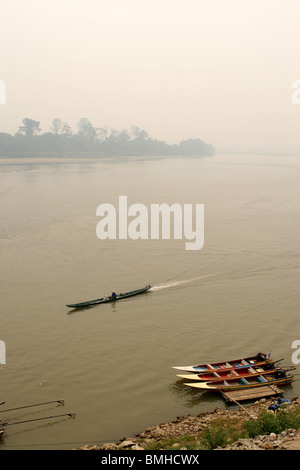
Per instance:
{"type": "Point", "coordinates": [112, 364]}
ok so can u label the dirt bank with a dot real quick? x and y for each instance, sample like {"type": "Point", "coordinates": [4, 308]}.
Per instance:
{"type": "Point", "coordinates": [193, 425]}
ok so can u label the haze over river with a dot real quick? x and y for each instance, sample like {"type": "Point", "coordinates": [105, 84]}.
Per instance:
{"type": "Point", "coordinates": [112, 364]}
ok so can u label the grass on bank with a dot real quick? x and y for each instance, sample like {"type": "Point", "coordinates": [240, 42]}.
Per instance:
{"type": "Point", "coordinates": [225, 431]}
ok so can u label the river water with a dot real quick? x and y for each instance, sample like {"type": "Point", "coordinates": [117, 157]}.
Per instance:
{"type": "Point", "coordinates": [112, 364]}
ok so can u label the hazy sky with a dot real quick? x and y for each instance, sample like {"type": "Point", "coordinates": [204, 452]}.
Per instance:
{"type": "Point", "coordinates": [220, 70]}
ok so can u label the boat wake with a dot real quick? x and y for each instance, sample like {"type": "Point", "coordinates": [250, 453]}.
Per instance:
{"type": "Point", "coordinates": [179, 283]}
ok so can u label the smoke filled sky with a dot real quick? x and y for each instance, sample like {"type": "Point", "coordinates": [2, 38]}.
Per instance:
{"type": "Point", "coordinates": [219, 70]}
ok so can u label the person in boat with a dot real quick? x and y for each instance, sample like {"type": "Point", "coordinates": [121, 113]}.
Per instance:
{"type": "Point", "coordinates": [113, 295]}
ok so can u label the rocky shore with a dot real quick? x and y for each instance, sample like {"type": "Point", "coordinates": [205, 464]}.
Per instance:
{"type": "Point", "coordinates": [193, 425]}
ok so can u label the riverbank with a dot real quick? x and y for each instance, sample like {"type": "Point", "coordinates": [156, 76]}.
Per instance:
{"type": "Point", "coordinates": [201, 432]}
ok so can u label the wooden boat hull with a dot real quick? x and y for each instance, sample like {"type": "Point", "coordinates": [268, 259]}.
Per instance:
{"type": "Point", "coordinates": [254, 361]}
{"type": "Point", "coordinates": [240, 386]}
{"type": "Point", "coordinates": [229, 375]}
{"type": "Point", "coordinates": [105, 300]}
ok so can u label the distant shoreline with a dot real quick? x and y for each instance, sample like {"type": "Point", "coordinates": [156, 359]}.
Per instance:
{"type": "Point", "coordinates": [82, 158]}
{"type": "Point", "coordinates": [5, 160]}
{"type": "Point", "coordinates": [59, 158]}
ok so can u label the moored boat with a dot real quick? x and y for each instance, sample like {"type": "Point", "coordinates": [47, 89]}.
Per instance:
{"type": "Point", "coordinates": [278, 378]}
{"type": "Point", "coordinates": [259, 360]}
{"type": "Point", "coordinates": [111, 298]}
{"type": "Point", "coordinates": [246, 371]}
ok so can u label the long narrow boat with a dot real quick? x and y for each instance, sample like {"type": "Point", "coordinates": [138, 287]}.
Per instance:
{"type": "Point", "coordinates": [279, 378]}
{"type": "Point", "coordinates": [258, 360]}
{"type": "Point", "coordinates": [104, 300]}
{"type": "Point", "coordinates": [246, 371]}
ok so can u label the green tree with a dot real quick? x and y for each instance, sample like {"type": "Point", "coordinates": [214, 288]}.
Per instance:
{"type": "Point", "coordinates": [30, 127]}
{"type": "Point", "coordinates": [87, 130]}
{"type": "Point", "coordinates": [60, 127]}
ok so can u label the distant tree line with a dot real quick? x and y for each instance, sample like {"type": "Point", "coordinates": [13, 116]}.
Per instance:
{"type": "Point", "coordinates": [91, 141]}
